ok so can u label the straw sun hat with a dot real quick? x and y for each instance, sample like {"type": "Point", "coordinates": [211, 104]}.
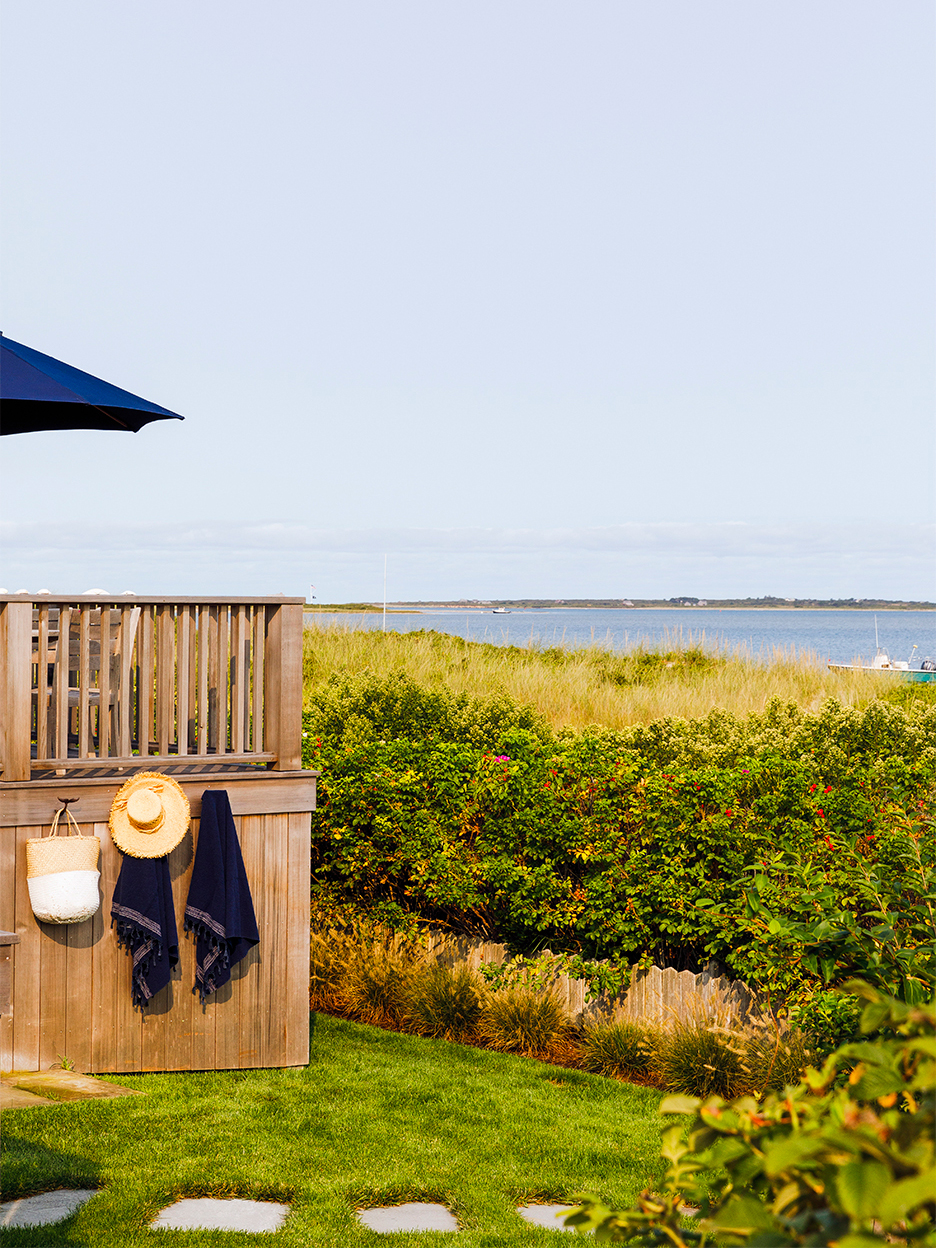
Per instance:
{"type": "Point", "coordinates": [150, 815]}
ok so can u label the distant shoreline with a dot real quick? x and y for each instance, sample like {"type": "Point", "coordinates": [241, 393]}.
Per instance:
{"type": "Point", "coordinates": [421, 608]}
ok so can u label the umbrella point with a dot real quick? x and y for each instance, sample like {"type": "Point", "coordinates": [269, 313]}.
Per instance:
{"type": "Point", "coordinates": [38, 392]}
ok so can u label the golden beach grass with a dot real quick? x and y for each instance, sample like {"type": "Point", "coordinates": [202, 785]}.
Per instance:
{"type": "Point", "coordinates": [684, 677]}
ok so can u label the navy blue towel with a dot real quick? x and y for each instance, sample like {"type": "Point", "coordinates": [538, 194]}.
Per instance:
{"type": "Point", "coordinates": [144, 917]}
{"type": "Point", "coordinates": [219, 910]}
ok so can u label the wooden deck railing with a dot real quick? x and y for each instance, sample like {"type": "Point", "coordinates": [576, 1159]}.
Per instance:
{"type": "Point", "coordinates": [92, 681]}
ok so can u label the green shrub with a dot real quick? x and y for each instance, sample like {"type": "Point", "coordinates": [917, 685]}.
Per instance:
{"type": "Point", "coordinates": [396, 707]}
{"type": "Point", "coordinates": [620, 1050]}
{"type": "Point", "coordinates": [827, 1018]}
{"type": "Point", "coordinates": [844, 1157]}
{"type": "Point", "coordinates": [533, 1024]}
{"type": "Point", "coordinates": [795, 849]}
{"type": "Point", "coordinates": [444, 1001]}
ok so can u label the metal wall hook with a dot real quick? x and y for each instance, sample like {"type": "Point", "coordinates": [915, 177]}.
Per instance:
{"type": "Point", "coordinates": [66, 800]}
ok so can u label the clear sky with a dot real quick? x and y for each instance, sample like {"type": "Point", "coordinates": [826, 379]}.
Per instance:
{"type": "Point", "coordinates": [548, 299]}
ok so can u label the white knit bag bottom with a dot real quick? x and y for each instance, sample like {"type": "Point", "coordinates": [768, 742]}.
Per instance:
{"type": "Point", "coordinates": [65, 896]}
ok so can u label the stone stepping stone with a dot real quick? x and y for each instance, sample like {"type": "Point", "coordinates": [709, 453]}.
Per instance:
{"type": "Point", "coordinates": [66, 1085]}
{"type": "Point", "coordinates": [256, 1216]}
{"type": "Point", "coordinates": [545, 1215]}
{"type": "Point", "coordinates": [43, 1209]}
{"type": "Point", "coordinates": [18, 1098]}
{"type": "Point", "coordinates": [414, 1216]}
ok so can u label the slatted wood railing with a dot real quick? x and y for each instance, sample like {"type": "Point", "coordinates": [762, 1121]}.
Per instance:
{"type": "Point", "coordinates": [92, 681]}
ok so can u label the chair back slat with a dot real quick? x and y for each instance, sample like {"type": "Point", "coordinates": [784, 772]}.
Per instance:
{"type": "Point", "coordinates": [136, 678]}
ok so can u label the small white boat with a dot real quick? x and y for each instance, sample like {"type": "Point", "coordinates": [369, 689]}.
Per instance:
{"type": "Point", "coordinates": [882, 662]}
{"type": "Point", "coordinates": [500, 611]}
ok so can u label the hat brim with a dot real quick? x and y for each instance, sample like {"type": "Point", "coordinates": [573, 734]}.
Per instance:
{"type": "Point", "coordinates": [176, 817]}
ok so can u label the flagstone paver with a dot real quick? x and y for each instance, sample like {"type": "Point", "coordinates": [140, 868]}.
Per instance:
{"type": "Point", "coordinates": [545, 1215]}
{"type": "Point", "coordinates": [65, 1085]}
{"type": "Point", "coordinates": [415, 1216]}
{"type": "Point", "coordinates": [43, 1209]}
{"type": "Point", "coordinates": [207, 1214]}
{"type": "Point", "coordinates": [12, 1097]}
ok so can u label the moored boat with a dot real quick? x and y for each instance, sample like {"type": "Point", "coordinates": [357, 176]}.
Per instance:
{"type": "Point", "coordinates": [881, 663]}
{"type": "Point", "coordinates": [924, 674]}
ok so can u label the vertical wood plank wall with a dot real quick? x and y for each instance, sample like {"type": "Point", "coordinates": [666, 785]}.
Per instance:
{"type": "Point", "coordinates": [71, 984]}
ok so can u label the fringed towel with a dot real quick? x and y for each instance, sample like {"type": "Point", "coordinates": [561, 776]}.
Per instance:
{"type": "Point", "coordinates": [219, 910]}
{"type": "Point", "coordinates": [144, 917]}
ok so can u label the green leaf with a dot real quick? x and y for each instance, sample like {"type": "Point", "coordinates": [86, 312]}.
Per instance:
{"type": "Point", "coordinates": [786, 1196]}
{"type": "Point", "coordinates": [743, 1212]}
{"type": "Point", "coordinates": [789, 1152]}
{"type": "Point", "coordinates": [858, 1241]}
{"type": "Point", "coordinates": [673, 1147]}
{"type": "Point", "coordinates": [878, 1081]}
{"type": "Point", "coordinates": [903, 1197]}
{"type": "Point", "coordinates": [873, 1015]}
{"type": "Point", "coordinates": [769, 1239]}
{"type": "Point", "coordinates": [861, 1185]}
{"type": "Point", "coordinates": [726, 1150]}
{"type": "Point", "coordinates": [860, 988]}
{"type": "Point", "coordinates": [679, 1104]}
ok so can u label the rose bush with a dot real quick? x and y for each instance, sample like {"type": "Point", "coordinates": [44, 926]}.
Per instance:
{"type": "Point", "coordinates": [794, 849]}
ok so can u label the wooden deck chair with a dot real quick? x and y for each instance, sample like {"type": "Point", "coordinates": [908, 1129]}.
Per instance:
{"type": "Point", "coordinates": [64, 663]}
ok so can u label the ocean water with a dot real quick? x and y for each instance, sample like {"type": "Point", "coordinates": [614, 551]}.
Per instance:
{"type": "Point", "coordinates": [837, 636]}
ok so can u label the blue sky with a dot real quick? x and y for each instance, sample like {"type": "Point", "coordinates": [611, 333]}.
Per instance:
{"type": "Point", "coordinates": [539, 299]}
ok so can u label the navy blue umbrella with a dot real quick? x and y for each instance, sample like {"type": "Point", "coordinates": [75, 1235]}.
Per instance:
{"type": "Point", "coordinates": [38, 392]}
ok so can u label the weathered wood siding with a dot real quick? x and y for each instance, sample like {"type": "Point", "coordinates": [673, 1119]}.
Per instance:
{"type": "Point", "coordinates": [71, 984]}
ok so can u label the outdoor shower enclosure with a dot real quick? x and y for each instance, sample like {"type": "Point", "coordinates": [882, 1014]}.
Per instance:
{"type": "Point", "coordinates": [209, 691]}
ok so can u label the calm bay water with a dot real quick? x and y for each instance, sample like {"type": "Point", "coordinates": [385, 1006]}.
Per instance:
{"type": "Point", "coordinates": [839, 636]}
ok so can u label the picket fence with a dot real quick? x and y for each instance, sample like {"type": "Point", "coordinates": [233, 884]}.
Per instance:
{"type": "Point", "coordinates": [657, 998]}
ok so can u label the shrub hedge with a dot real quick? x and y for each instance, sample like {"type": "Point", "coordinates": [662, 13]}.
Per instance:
{"type": "Point", "coordinates": [843, 1156]}
{"type": "Point", "coordinates": [796, 849]}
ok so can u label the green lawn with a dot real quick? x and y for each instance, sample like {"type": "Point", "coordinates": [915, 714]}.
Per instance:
{"type": "Point", "coordinates": [376, 1118]}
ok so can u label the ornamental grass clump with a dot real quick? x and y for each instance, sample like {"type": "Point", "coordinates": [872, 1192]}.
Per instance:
{"type": "Point", "coordinates": [701, 1056]}
{"type": "Point", "coordinates": [533, 1024]}
{"type": "Point", "coordinates": [713, 1054]}
{"type": "Point", "coordinates": [329, 953]}
{"type": "Point", "coordinates": [444, 1001]}
{"type": "Point", "coordinates": [364, 971]}
{"type": "Point", "coordinates": [775, 1055]}
{"type": "Point", "coordinates": [620, 1050]}
{"type": "Point", "coordinates": [377, 981]}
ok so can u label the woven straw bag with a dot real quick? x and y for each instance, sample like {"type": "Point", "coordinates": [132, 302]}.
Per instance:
{"type": "Point", "coordinates": [61, 873]}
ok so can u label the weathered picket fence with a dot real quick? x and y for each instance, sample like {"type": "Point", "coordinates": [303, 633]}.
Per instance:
{"type": "Point", "coordinates": [656, 998]}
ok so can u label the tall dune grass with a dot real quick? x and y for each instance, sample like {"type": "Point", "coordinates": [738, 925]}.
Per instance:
{"type": "Point", "coordinates": [686, 676]}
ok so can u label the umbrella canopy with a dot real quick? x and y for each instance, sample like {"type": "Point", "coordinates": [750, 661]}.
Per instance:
{"type": "Point", "coordinates": [39, 392]}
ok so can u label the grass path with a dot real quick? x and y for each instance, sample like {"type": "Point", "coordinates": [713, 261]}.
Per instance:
{"type": "Point", "coordinates": [377, 1117]}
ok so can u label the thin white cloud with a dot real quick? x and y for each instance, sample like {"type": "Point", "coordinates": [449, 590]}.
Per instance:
{"type": "Point", "coordinates": [630, 560]}
{"type": "Point", "coordinates": [729, 539]}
